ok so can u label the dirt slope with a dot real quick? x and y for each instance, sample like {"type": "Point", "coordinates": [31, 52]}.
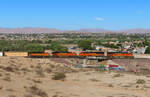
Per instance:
{"type": "Point", "coordinates": [25, 77]}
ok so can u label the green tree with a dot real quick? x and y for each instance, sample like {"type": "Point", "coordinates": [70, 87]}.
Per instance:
{"type": "Point", "coordinates": [34, 48]}
{"type": "Point", "coordinates": [48, 41]}
{"type": "Point", "coordinates": [111, 46]}
{"type": "Point", "coordinates": [58, 48]}
{"type": "Point", "coordinates": [85, 45]}
{"type": "Point", "coordinates": [36, 41]}
{"type": "Point", "coordinates": [147, 50]}
{"type": "Point", "coordinates": [146, 43]}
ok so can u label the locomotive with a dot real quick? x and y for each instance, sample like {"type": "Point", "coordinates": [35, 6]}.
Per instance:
{"type": "Point", "coordinates": [64, 54]}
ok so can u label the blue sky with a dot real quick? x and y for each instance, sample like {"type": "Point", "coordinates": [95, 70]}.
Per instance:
{"type": "Point", "coordinates": [75, 14]}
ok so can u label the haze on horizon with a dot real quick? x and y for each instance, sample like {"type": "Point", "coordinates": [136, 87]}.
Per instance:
{"type": "Point", "coordinates": [75, 14]}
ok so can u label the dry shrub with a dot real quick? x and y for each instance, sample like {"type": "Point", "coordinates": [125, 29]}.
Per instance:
{"type": "Point", "coordinates": [1, 87]}
{"type": "Point", "coordinates": [34, 90]}
{"type": "Point", "coordinates": [52, 66]}
{"type": "Point", "coordinates": [99, 70]}
{"type": "Point", "coordinates": [127, 85]}
{"type": "Point", "coordinates": [7, 79]}
{"type": "Point", "coordinates": [25, 69]}
{"type": "Point", "coordinates": [76, 80]}
{"type": "Point", "coordinates": [1, 67]}
{"type": "Point", "coordinates": [0, 74]}
{"type": "Point", "coordinates": [145, 86]}
{"type": "Point", "coordinates": [140, 81]}
{"type": "Point", "coordinates": [39, 71]}
{"type": "Point", "coordinates": [28, 95]}
{"type": "Point", "coordinates": [37, 81]}
{"type": "Point", "coordinates": [59, 76]}
{"type": "Point", "coordinates": [12, 96]}
{"type": "Point", "coordinates": [137, 86]}
{"type": "Point", "coordinates": [88, 73]}
{"type": "Point", "coordinates": [10, 90]}
{"type": "Point", "coordinates": [9, 69]}
{"type": "Point", "coordinates": [31, 66]}
{"type": "Point", "coordinates": [94, 80]}
{"type": "Point", "coordinates": [7, 74]}
{"type": "Point", "coordinates": [145, 71]}
{"type": "Point", "coordinates": [55, 96]}
{"type": "Point", "coordinates": [48, 70]}
{"type": "Point", "coordinates": [62, 68]}
{"type": "Point", "coordinates": [110, 85]}
{"type": "Point", "coordinates": [117, 75]}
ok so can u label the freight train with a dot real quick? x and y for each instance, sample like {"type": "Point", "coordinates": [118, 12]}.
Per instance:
{"type": "Point", "coordinates": [69, 54]}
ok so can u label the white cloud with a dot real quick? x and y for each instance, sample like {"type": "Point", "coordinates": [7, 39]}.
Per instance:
{"type": "Point", "coordinates": [99, 19]}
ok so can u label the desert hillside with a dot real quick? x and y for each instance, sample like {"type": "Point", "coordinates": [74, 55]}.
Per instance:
{"type": "Point", "coordinates": [26, 77]}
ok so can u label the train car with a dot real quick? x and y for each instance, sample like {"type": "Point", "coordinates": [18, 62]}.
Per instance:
{"type": "Point", "coordinates": [93, 54]}
{"type": "Point", "coordinates": [39, 54]}
{"type": "Point", "coordinates": [64, 54]}
{"type": "Point", "coordinates": [16, 54]}
{"type": "Point", "coordinates": [141, 56]}
{"type": "Point", "coordinates": [120, 55]}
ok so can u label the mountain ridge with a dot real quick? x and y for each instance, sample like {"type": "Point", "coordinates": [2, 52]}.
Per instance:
{"type": "Point", "coordinates": [30, 30]}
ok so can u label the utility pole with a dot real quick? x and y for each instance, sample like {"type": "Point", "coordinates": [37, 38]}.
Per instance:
{"type": "Point", "coordinates": [85, 62]}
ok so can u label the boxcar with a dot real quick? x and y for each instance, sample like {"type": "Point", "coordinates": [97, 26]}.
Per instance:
{"type": "Point", "coordinates": [15, 54]}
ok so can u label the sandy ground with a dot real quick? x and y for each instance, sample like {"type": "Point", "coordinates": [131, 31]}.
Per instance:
{"type": "Point", "coordinates": [25, 77]}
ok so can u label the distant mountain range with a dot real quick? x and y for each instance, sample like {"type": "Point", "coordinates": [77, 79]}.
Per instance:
{"type": "Point", "coordinates": [136, 31]}
{"type": "Point", "coordinates": [115, 31]}
{"type": "Point", "coordinates": [50, 30]}
{"type": "Point", "coordinates": [29, 30]}
{"type": "Point", "coordinates": [94, 30]}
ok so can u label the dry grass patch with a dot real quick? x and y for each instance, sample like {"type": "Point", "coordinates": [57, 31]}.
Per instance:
{"type": "Point", "coordinates": [1, 87]}
{"type": "Point", "coordinates": [75, 80]}
{"type": "Point", "coordinates": [1, 75]}
{"type": "Point", "coordinates": [95, 80]}
{"type": "Point", "coordinates": [145, 86]}
{"type": "Point", "coordinates": [25, 70]}
{"type": "Point", "coordinates": [12, 96]}
{"type": "Point", "coordinates": [7, 78]}
{"type": "Point", "coordinates": [140, 81]}
{"type": "Point", "coordinates": [34, 90]}
{"type": "Point", "coordinates": [48, 70]}
{"type": "Point", "coordinates": [110, 85]}
{"type": "Point", "coordinates": [37, 81]}
{"type": "Point", "coordinates": [28, 95]}
{"type": "Point", "coordinates": [117, 75]}
{"type": "Point", "coordinates": [39, 71]}
{"type": "Point", "coordinates": [10, 90]}
{"type": "Point", "coordinates": [8, 69]}
{"type": "Point", "coordinates": [99, 70]}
